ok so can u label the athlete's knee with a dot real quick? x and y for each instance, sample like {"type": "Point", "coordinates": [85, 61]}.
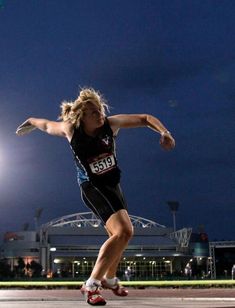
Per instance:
{"type": "Point", "coordinates": [125, 233]}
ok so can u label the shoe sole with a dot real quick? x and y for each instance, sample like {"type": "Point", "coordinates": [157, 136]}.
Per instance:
{"type": "Point", "coordinates": [97, 304]}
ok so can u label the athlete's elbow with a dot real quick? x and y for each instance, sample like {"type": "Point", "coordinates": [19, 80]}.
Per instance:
{"type": "Point", "coordinates": [54, 130]}
{"type": "Point", "coordinates": [147, 119]}
{"type": "Point", "coordinates": [49, 129]}
{"type": "Point", "coordinates": [45, 126]}
{"type": "Point", "coordinates": [143, 118]}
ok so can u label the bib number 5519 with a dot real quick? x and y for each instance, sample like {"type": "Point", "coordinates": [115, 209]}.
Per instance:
{"type": "Point", "coordinates": [103, 165]}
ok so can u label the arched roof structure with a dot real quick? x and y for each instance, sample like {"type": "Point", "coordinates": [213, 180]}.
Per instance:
{"type": "Point", "coordinates": [88, 219]}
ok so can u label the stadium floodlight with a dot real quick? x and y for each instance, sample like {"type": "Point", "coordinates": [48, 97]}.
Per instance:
{"type": "Point", "coordinates": [37, 215]}
{"type": "Point", "coordinates": [173, 206]}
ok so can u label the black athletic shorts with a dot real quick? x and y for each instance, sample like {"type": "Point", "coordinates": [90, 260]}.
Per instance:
{"type": "Point", "coordinates": [103, 200]}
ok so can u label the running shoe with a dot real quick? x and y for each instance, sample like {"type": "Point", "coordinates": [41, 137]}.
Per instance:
{"type": "Point", "coordinates": [117, 289]}
{"type": "Point", "coordinates": [93, 297]}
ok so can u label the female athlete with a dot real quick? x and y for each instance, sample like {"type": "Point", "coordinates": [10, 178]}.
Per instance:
{"type": "Point", "coordinates": [91, 135]}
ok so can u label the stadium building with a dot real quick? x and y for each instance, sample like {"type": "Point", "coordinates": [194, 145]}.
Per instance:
{"type": "Point", "coordinates": [68, 247]}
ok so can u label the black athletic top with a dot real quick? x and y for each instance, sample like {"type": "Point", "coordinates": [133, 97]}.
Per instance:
{"type": "Point", "coordinates": [95, 157]}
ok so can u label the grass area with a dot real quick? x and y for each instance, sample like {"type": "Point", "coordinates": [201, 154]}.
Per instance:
{"type": "Point", "coordinates": [136, 284]}
{"type": "Point", "coordinates": [183, 283]}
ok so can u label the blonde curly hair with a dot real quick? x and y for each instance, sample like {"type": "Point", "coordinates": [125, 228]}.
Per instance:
{"type": "Point", "coordinates": [73, 110]}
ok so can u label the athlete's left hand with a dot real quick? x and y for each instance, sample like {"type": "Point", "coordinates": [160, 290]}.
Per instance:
{"type": "Point", "coordinates": [167, 142]}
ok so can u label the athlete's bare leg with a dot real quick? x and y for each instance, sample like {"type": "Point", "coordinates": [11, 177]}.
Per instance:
{"type": "Point", "coordinates": [112, 270]}
{"type": "Point", "coordinates": [121, 230]}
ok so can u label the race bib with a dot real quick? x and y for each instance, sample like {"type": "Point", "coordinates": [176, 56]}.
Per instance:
{"type": "Point", "coordinates": [102, 165]}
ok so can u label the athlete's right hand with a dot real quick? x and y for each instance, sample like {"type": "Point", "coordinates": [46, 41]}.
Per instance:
{"type": "Point", "coordinates": [167, 142]}
{"type": "Point", "coordinates": [25, 128]}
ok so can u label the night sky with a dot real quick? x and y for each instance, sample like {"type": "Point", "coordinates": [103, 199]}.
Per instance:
{"type": "Point", "coordinates": [174, 59]}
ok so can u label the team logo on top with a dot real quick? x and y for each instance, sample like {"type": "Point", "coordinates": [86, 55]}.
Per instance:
{"type": "Point", "coordinates": [106, 140]}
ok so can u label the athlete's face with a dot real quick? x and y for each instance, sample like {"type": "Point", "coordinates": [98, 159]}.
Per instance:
{"type": "Point", "coordinates": [93, 116]}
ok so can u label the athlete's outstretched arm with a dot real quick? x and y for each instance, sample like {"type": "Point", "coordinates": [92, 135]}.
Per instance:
{"type": "Point", "coordinates": [50, 127]}
{"type": "Point", "coordinates": [143, 120]}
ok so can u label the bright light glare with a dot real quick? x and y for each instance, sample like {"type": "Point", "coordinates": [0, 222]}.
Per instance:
{"type": "Point", "coordinates": [1, 157]}
{"type": "Point", "coordinates": [3, 161]}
